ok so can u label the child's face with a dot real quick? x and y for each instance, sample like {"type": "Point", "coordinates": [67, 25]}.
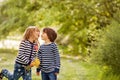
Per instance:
{"type": "Point", "coordinates": [36, 34]}
{"type": "Point", "coordinates": [44, 36]}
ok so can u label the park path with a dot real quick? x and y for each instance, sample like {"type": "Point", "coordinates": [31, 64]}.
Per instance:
{"type": "Point", "coordinates": [70, 69]}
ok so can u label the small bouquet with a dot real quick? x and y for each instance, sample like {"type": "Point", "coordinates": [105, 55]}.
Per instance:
{"type": "Point", "coordinates": [36, 61]}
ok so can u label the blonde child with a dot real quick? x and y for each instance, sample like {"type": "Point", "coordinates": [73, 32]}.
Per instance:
{"type": "Point", "coordinates": [49, 56]}
{"type": "Point", "coordinates": [26, 54]}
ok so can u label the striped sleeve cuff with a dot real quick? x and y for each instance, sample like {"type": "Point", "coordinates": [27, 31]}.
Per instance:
{"type": "Point", "coordinates": [56, 70]}
{"type": "Point", "coordinates": [38, 69]}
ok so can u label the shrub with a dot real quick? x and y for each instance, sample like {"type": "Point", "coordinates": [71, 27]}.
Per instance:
{"type": "Point", "coordinates": [107, 49]}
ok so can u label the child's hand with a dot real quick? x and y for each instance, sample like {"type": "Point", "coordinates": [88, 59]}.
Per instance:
{"type": "Point", "coordinates": [32, 64]}
{"type": "Point", "coordinates": [37, 73]}
{"type": "Point", "coordinates": [56, 73]}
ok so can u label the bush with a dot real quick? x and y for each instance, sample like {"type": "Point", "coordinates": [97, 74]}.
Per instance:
{"type": "Point", "coordinates": [110, 76]}
{"type": "Point", "coordinates": [107, 49]}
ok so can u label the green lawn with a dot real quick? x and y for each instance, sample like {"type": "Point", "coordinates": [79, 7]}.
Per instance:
{"type": "Point", "coordinates": [70, 69]}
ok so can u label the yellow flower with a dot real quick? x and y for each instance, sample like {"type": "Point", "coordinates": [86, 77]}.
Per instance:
{"type": "Point", "coordinates": [36, 62]}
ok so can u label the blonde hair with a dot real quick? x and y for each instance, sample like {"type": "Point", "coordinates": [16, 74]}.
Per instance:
{"type": "Point", "coordinates": [29, 32]}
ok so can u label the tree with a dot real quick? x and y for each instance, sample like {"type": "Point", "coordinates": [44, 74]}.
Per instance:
{"type": "Point", "coordinates": [76, 20]}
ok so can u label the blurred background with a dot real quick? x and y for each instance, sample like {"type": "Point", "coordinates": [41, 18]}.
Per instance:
{"type": "Point", "coordinates": [88, 34]}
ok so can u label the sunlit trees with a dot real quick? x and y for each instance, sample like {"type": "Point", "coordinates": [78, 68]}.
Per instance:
{"type": "Point", "coordinates": [78, 21]}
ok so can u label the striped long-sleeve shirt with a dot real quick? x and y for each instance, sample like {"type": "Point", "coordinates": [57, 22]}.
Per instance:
{"type": "Point", "coordinates": [49, 58]}
{"type": "Point", "coordinates": [25, 50]}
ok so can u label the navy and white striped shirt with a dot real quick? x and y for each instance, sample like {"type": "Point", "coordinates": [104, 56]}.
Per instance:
{"type": "Point", "coordinates": [25, 49]}
{"type": "Point", "coordinates": [49, 58]}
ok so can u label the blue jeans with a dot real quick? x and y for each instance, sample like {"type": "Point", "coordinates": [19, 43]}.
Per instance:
{"type": "Point", "coordinates": [19, 71]}
{"type": "Point", "coordinates": [48, 76]}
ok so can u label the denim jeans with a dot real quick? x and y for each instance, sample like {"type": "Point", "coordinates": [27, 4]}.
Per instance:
{"type": "Point", "coordinates": [19, 71]}
{"type": "Point", "coordinates": [48, 76]}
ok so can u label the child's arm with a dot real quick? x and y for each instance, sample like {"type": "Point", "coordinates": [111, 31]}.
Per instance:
{"type": "Point", "coordinates": [39, 68]}
{"type": "Point", "coordinates": [22, 53]}
{"type": "Point", "coordinates": [56, 59]}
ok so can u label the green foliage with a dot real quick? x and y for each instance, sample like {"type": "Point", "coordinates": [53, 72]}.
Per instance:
{"type": "Point", "coordinates": [107, 49]}
{"type": "Point", "coordinates": [76, 20]}
{"type": "Point", "coordinates": [109, 75]}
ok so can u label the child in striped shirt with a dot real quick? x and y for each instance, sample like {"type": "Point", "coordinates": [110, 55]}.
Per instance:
{"type": "Point", "coordinates": [49, 56]}
{"type": "Point", "coordinates": [27, 52]}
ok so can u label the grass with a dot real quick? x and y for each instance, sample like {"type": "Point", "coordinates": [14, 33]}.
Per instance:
{"type": "Point", "coordinates": [70, 69]}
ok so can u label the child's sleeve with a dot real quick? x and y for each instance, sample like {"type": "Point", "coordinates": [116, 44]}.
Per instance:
{"type": "Point", "coordinates": [22, 54]}
{"type": "Point", "coordinates": [56, 58]}
{"type": "Point", "coordinates": [40, 58]}
{"type": "Point", "coordinates": [38, 69]}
